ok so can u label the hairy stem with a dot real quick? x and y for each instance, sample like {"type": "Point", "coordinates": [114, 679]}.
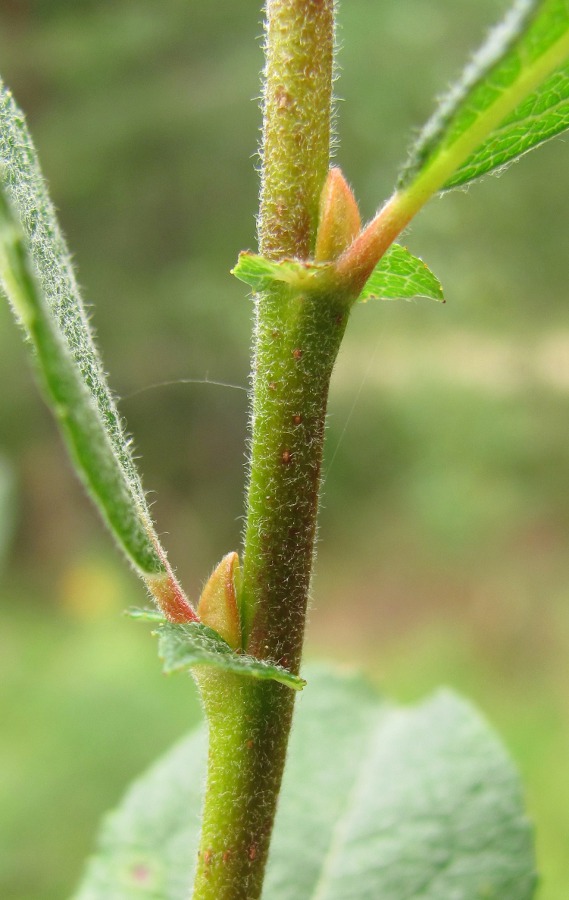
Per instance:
{"type": "Point", "coordinates": [297, 336]}
{"type": "Point", "coordinates": [248, 722]}
{"type": "Point", "coordinates": [296, 124]}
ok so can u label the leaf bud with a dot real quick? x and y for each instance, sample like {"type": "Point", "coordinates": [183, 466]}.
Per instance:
{"type": "Point", "coordinates": [339, 221]}
{"type": "Point", "coordinates": [217, 606]}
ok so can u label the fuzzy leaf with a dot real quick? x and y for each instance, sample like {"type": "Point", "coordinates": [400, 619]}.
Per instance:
{"type": "Point", "coordinates": [194, 644]}
{"type": "Point", "coordinates": [38, 278]}
{"type": "Point", "coordinates": [377, 801]}
{"type": "Point", "coordinates": [513, 96]}
{"type": "Point", "coordinates": [259, 273]}
{"type": "Point", "coordinates": [400, 275]}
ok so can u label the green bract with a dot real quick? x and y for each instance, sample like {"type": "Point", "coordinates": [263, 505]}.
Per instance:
{"type": "Point", "coordinates": [400, 275]}
{"type": "Point", "coordinates": [181, 647]}
{"type": "Point", "coordinates": [259, 273]}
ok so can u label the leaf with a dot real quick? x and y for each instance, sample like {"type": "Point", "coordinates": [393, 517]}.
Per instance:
{"type": "Point", "coordinates": [200, 645]}
{"type": "Point", "coordinates": [146, 847]}
{"type": "Point", "coordinates": [400, 275]}
{"type": "Point", "coordinates": [259, 273]}
{"type": "Point", "coordinates": [378, 801]}
{"type": "Point", "coordinates": [512, 96]}
{"type": "Point", "coordinates": [194, 644]}
{"type": "Point", "coordinates": [37, 276]}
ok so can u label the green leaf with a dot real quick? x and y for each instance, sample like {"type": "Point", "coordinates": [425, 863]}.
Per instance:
{"type": "Point", "coordinates": [400, 275]}
{"type": "Point", "coordinates": [146, 847]}
{"type": "Point", "coordinates": [378, 801]}
{"type": "Point", "coordinates": [513, 96]}
{"type": "Point", "coordinates": [259, 273]}
{"type": "Point", "coordinates": [194, 644]}
{"type": "Point", "coordinates": [38, 278]}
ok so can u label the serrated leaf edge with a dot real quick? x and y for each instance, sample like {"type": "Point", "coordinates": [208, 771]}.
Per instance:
{"type": "Point", "coordinates": [439, 298]}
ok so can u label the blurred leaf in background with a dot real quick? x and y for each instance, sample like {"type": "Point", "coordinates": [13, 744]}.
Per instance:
{"type": "Point", "coordinates": [443, 554]}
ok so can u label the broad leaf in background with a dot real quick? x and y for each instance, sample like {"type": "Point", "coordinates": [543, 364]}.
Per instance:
{"type": "Point", "coordinates": [401, 276]}
{"type": "Point", "coordinates": [377, 801]}
{"type": "Point", "coordinates": [513, 96]}
{"type": "Point", "coordinates": [38, 278]}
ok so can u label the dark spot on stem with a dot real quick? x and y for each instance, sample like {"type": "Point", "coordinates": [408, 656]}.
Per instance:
{"type": "Point", "coordinates": [286, 457]}
{"type": "Point", "coordinates": [297, 419]}
{"type": "Point", "coordinates": [297, 353]}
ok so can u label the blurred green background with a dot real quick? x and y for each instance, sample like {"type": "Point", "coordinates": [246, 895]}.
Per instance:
{"type": "Point", "coordinates": [445, 528]}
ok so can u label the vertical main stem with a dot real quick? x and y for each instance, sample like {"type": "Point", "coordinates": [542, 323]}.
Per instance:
{"type": "Point", "coordinates": [248, 725]}
{"type": "Point", "coordinates": [287, 375]}
{"type": "Point", "coordinates": [297, 336]}
{"type": "Point", "coordinates": [296, 124]}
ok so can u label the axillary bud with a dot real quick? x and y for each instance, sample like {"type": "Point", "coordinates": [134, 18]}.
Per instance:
{"type": "Point", "coordinates": [339, 221]}
{"type": "Point", "coordinates": [217, 606]}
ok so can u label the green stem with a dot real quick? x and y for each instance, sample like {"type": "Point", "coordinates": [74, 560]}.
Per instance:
{"type": "Point", "coordinates": [297, 338]}
{"type": "Point", "coordinates": [296, 124]}
{"type": "Point", "coordinates": [248, 728]}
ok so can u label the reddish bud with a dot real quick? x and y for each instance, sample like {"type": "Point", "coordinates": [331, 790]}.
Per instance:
{"type": "Point", "coordinates": [218, 602]}
{"type": "Point", "coordinates": [339, 221]}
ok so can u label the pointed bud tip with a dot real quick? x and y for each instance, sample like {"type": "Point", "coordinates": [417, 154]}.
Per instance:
{"type": "Point", "coordinates": [217, 607]}
{"type": "Point", "coordinates": [340, 220]}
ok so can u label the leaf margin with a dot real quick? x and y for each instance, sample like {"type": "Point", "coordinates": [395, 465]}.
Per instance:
{"type": "Point", "coordinates": [419, 274]}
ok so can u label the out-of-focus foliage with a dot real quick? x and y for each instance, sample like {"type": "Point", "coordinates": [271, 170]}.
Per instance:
{"type": "Point", "coordinates": [376, 800]}
{"type": "Point", "coordinates": [445, 527]}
